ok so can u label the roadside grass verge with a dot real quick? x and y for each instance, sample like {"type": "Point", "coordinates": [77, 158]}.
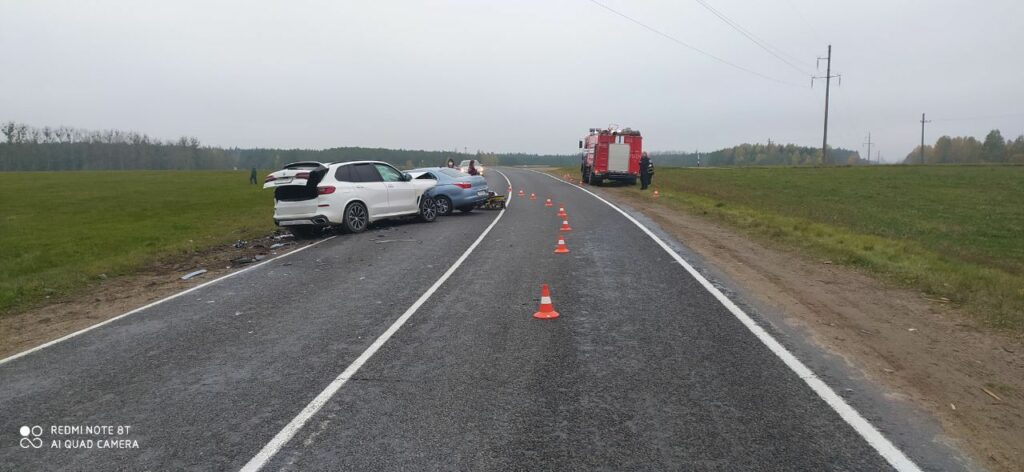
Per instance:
{"type": "Point", "coordinates": [954, 232]}
{"type": "Point", "coordinates": [59, 231]}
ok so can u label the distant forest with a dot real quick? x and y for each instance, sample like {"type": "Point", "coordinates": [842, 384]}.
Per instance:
{"type": "Point", "coordinates": [968, 150]}
{"type": "Point", "coordinates": [771, 154]}
{"type": "Point", "coordinates": [27, 148]}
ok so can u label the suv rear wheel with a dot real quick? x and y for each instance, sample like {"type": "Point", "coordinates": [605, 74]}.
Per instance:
{"type": "Point", "coordinates": [356, 218]}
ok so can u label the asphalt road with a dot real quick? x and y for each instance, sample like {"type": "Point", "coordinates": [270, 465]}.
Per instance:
{"type": "Point", "coordinates": [645, 369]}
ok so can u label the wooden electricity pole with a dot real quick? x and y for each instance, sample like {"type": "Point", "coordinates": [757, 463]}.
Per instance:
{"type": "Point", "coordinates": [923, 121]}
{"type": "Point", "coordinates": [869, 147]}
{"type": "Point", "coordinates": [828, 82]}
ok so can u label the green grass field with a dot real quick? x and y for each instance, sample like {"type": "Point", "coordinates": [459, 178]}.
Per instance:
{"type": "Point", "coordinates": [951, 231]}
{"type": "Point", "coordinates": [61, 230]}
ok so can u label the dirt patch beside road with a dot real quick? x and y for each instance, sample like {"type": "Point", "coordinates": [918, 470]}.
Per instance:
{"type": "Point", "coordinates": [922, 350]}
{"type": "Point", "coordinates": [115, 296]}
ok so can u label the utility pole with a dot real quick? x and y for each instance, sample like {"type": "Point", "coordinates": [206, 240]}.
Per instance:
{"type": "Point", "coordinates": [879, 154]}
{"type": "Point", "coordinates": [869, 147]}
{"type": "Point", "coordinates": [828, 81]}
{"type": "Point", "coordinates": [923, 121]}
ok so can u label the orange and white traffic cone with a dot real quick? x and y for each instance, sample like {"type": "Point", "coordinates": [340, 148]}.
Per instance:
{"type": "Point", "coordinates": [561, 248]}
{"type": "Point", "coordinates": [548, 203]}
{"type": "Point", "coordinates": [522, 193]}
{"type": "Point", "coordinates": [546, 310]}
{"type": "Point", "coordinates": [565, 226]}
{"type": "Point", "coordinates": [533, 196]}
{"type": "Point", "coordinates": [562, 213]}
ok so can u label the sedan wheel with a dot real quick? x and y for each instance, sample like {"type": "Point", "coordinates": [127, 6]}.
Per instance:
{"type": "Point", "coordinates": [444, 205]}
{"type": "Point", "coordinates": [356, 218]}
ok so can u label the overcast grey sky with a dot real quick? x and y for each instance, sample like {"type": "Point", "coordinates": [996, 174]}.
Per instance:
{"type": "Point", "coordinates": [527, 76]}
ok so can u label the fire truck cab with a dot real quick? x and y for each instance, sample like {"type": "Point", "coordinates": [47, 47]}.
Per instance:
{"type": "Point", "coordinates": [611, 154]}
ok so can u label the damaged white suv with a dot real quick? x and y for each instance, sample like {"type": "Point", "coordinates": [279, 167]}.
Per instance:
{"type": "Point", "coordinates": [309, 196]}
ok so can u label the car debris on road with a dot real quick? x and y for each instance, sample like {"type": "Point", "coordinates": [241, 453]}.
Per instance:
{"type": "Point", "coordinates": [193, 274]}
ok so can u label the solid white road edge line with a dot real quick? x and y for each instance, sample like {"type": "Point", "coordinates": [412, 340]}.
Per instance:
{"type": "Point", "coordinates": [141, 308]}
{"type": "Point", "coordinates": [508, 198]}
{"type": "Point", "coordinates": [875, 438]}
{"type": "Point", "coordinates": [281, 438]}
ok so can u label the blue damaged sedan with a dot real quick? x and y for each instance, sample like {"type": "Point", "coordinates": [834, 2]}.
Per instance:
{"type": "Point", "coordinates": [454, 190]}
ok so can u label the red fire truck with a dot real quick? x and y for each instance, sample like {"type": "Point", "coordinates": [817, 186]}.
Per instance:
{"type": "Point", "coordinates": [611, 154]}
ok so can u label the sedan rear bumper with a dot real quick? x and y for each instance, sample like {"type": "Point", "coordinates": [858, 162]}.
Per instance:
{"type": "Point", "coordinates": [471, 197]}
{"type": "Point", "coordinates": [465, 197]}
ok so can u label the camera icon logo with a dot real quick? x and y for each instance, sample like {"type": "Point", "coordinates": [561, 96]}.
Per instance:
{"type": "Point", "coordinates": [30, 437]}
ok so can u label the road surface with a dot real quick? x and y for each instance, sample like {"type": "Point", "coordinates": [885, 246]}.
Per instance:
{"type": "Point", "coordinates": [372, 352]}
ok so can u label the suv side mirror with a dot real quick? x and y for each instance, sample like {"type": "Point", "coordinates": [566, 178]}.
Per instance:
{"type": "Point", "coordinates": [406, 177]}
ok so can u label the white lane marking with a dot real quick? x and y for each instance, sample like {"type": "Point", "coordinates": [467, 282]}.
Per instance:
{"type": "Point", "coordinates": [887, 449]}
{"type": "Point", "coordinates": [141, 308]}
{"type": "Point", "coordinates": [288, 432]}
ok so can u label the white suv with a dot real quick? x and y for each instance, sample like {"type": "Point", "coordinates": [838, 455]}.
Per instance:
{"type": "Point", "coordinates": [309, 196]}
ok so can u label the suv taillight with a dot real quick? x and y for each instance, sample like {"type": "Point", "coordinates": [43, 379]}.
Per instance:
{"type": "Point", "coordinates": [270, 178]}
{"type": "Point", "coordinates": [325, 190]}
{"type": "Point", "coordinates": [463, 184]}
{"type": "Point", "coordinates": [302, 175]}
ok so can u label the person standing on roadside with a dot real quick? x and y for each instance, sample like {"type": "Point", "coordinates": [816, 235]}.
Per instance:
{"type": "Point", "coordinates": [472, 168]}
{"type": "Point", "coordinates": [451, 163]}
{"type": "Point", "coordinates": [645, 171]}
{"type": "Point", "coordinates": [252, 176]}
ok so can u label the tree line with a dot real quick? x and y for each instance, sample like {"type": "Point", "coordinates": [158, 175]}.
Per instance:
{"type": "Point", "coordinates": [27, 148]}
{"type": "Point", "coordinates": [968, 150]}
{"type": "Point", "coordinates": [65, 148]}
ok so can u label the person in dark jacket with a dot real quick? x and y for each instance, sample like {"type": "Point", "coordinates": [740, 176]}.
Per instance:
{"type": "Point", "coordinates": [252, 176]}
{"type": "Point", "coordinates": [472, 168]}
{"type": "Point", "coordinates": [451, 163]}
{"type": "Point", "coordinates": [645, 171]}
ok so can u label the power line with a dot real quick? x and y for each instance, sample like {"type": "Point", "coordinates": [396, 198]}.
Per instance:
{"type": "Point", "coordinates": [753, 38]}
{"type": "Point", "coordinates": [691, 47]}
{"type": "Point", "coordinates": [989, 117]}
{"type": "Point", "coordinates": [804, 19]}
